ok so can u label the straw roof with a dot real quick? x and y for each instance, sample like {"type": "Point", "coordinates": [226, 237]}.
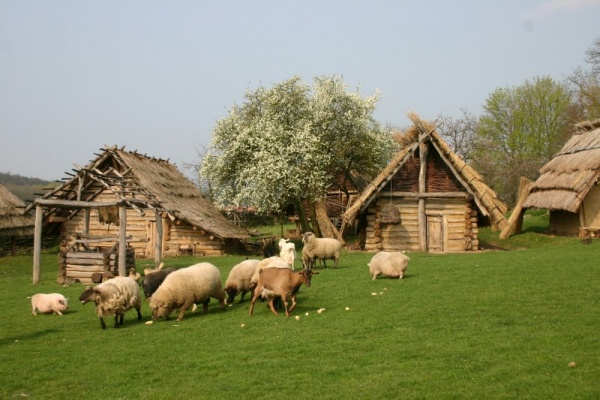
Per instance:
{"type": "Point", "coordinates": [486, 199]}
{"type": "Point", "coordinates": [13, 220]}
{"type": "Point", "coordinates": [144, 183]}
{"type": "Point", "coordinates": [567, 178]}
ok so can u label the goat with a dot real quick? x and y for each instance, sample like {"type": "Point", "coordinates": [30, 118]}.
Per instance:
{"type": "Point", "coordinates": [280, 282]}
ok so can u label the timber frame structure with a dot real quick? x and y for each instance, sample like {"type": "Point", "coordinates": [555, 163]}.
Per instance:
{"type": "Point", "coordinates": [122, 192]}
{"type": "Point", "coordinates": [435, 199]}
{"type": "Point", "coordinates": [14, 222]}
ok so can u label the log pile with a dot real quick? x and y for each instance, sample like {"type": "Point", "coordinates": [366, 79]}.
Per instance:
{"type": "Point", "coordinates": [82, 265]}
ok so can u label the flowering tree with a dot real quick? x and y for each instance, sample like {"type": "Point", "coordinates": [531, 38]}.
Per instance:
{"type": "Point", "coordinates": [289, 142]}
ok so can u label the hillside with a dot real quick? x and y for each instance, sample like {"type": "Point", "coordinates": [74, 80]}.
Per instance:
{"type": "Point", "coordinates": [24, 187]}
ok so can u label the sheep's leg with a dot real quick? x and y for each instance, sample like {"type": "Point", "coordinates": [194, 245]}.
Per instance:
{"type": "Point", "coordinates": [205, 306]}
{"type": "Point", "coordinates": [183, 309]}
{"type": "Point", "coordinates": [139, 311]}
{"type": "Point", "coordinates": [102, 324]}
{"type": "Point", "coordinates": [335, 262]}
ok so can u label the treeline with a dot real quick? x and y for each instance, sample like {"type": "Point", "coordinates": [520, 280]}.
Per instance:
{"type": "Point", "coordinates": [23, 187]}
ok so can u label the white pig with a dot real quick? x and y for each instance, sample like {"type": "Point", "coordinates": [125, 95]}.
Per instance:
{"type": "Point", "coordinates": [46, 303]}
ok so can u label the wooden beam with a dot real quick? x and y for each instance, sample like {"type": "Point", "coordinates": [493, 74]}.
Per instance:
{"type": "Point", "coordinates": [37, 243]}
{"type": "Point", "coordinates": [158, 246]}
{"type": "Point", "coordinates": [75, 204]}
{"type": "Point", "coordinates": [86, 221]}
{"type": "Point", "coordinates": [428, 195]}
{"type": "Point", "coordinates": [122, 240]}
{"type": "Point", "coordinates": [422, 216]}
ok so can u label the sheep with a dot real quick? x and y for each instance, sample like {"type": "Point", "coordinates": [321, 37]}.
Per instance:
{"type": "Point", "coordinates": [49, 302]}
{"type": "Point", "coordinates": [185, 287]}
{"type": "Point", "coordinates": [239, 280]}
{"type": "Point", "coordinates": [152, 281]}
{"type": "Point", "coordinates": [133, 274]}
{"type": "Point", "coordinates": [115, 296]}
{"type": "Point", "coordinates": [283, 283]}
{"type": "Point", "coordinates": [392, 264]}
{"type": "Point", "coordinates": [287, 251]}
{"type": "Point", "coordinates": [319, 248]}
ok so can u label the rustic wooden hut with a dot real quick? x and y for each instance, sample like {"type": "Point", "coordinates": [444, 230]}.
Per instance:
{"type": "Point", "coordinates": [568, 185]}
{"type": "Point", "coordinates": [426, 199]}
{"type": "Point", "coordinates": [165, 213]}
{"type": "Point", "coordinates": [14, 222]}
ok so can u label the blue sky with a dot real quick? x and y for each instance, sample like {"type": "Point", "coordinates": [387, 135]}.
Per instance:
{"type": "Point", "coordinates": [155, 76]}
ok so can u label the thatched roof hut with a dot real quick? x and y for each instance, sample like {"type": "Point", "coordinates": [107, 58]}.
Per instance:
{"type": "Point", "coordinates": [14, 222]}
{"type": "Point", "coordinates": [439, 197]}
{"type": "Point", "coordinates": [568, 185]}
{"type": "Point", "coordinates": [148, 186]}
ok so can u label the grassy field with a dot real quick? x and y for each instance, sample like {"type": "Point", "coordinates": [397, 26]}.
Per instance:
{"type": "Point", "coordinates": [492, 324]}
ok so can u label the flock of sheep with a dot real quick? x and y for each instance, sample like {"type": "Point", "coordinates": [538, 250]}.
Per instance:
{"type": "Point", "coordinates": [173, 289]}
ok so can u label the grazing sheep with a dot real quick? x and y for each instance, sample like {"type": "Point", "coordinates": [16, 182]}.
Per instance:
{"type": "Point", "coordinates": [319, 248]}
{"type": "Point", "coordinates": [185, 287]}
{"type": "Point", "coordinates": [392, 264]}
{"type": "Point", "coordinates": [283, 283]}
{"type": "Point", "coordinates": [271, 262]}
{"type": "Point", "coordinates": [51, 302]}
{"type": "Point", "coordinates": [239, 280]}
{"type": "Point", "coordinates": [287, 251]}
{"type": "Point", "coordinates": [115, 296]}
{"type": "Point", "coordinates": [152, 281]}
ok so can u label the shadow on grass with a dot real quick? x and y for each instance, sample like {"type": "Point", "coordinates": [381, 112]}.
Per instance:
{"type": "Point", "coordinates": [33, 335]}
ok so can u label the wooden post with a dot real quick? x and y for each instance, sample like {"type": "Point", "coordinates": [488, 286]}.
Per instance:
{"type": "Point", "coordinates": [86, 221]}
{"type": "Point", "coordinates": [37, 243]}
{"type": "Point", "coordinates": [159, 240]}
{"type": "Point", "coordinates": [423, 150]}
{"type": "Point", "coordinates": [122, 240]}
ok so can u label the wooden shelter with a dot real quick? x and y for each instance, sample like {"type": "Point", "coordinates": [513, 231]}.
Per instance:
{"type": "Point", "coordinates": [426, 199]}
{"type": "Point", "coordinates": [568, 185]}
{"type": "Point", "coordinates": [14, 222]}
{"type": "Point", "coordinates": [125, 201]}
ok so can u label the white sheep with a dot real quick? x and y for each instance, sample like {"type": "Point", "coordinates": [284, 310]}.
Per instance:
{"type": "Point", "coordinates": [115, 296]}
{"type": "Point", "coordinates": [287, 251]}
{"type": "Point", "coordinates": [185, 287]}
{"type": "Point", "coordinates": [239, 280]}
{"type": "Point", "coordinates": [319, 248]}
{"type": "Point", "coordinates": [392, 264]}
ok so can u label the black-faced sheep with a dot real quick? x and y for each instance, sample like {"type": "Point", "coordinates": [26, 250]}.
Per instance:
{"type": "Point", "coordinates": [392, 264]}
{"type": "Point", "coordinates": [49, 303]}
{"type": "Point", "coordinates": [115, 296]}
{"type": "Point", "coordinates": [282, 283]}
{"type": "Point", "coordinates": [319, 249]}
{"type": "Point", "coordinates": [239, 280]}
{"type": "Point", "coordinates": [185, 287]}
{"type": "Point", "coordinates": [152, 281]}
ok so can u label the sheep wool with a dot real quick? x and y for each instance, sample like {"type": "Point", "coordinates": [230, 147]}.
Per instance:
{"type": "Point", "coordinates": [115, 296]}
{"type": "Point", "coordinates": [185, 287]}
{"type": "Point", "coordinates": [271, 262]}
{"type": "Point", "coordinates": [392, 264]}
{"type": "Point", "coordinates": [321, 249]}
{"type": "Point", "coordinates": [239, 280]}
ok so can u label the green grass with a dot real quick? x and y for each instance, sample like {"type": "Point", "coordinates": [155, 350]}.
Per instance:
{"type": "Point", "coordinates": [493, 324]}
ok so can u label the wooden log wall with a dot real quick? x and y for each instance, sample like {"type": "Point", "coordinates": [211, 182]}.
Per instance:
{"type": "Point", "coordinates": [460, 225]}
{"type": "Point", "coordinates": [183, 235]}
{"type": "Point", "coordinates": [81, 265]}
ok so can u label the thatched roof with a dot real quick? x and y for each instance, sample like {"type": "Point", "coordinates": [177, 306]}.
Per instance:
{"type": "Point", "coordinates": [486, 199]}
{"type": "Point", "coordinates": [144, 183]}
{"type": "Point", "coordinates": [567, 178]}
{"type": "Point", "coordinates": [13, 220]}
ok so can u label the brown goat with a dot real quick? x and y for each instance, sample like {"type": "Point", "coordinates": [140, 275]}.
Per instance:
{"type": "Point", "coordinates": [280, 282]}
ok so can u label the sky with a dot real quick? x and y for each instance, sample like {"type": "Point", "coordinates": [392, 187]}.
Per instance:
{"type": "Point", "coordinates": [155, 76]}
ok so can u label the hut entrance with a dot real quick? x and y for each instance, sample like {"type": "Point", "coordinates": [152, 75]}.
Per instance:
{"type": "Point", "coordinates": [435, 233]}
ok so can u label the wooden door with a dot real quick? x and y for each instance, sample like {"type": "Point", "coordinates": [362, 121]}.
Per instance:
{"type": "Point", "coordinates": [435, 233]}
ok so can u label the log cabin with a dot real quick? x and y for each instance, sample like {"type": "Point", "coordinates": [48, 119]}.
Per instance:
{"type": "Point", "coordinates": [14, 222]}
{"type": "Point", "coordinates": [426, 199]}
{"type": "Point", "coordinates": [165, 213]}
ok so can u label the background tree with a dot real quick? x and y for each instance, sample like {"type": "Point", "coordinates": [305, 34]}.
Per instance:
{"type": "Point", "coordinates": [586, 84]}
{"type": "Point", "coordinates": [460, 133]}
{"type": "Point", "coordinates": [290, 142]}
{"type": "Point", "coordinates": [519, 131]}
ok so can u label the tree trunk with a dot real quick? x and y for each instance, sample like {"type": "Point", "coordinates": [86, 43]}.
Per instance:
{"type": "Point", "coordinates": [327, 229]}
{"type": "Point", "coordinates": [302, 216]}
{"type": "Point", "coordinates": [313, 218]}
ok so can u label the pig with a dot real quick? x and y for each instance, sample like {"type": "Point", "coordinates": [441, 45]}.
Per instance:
{"type": "Point", "coordinates": [46, 303]}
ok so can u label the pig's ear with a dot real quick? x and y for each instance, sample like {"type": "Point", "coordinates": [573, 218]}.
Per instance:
{"type": "Point", "coordinates": [61, 302]}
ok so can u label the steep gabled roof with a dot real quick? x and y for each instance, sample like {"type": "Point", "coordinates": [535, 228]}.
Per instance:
{"type": "Point", "coordinates": [486, 199]}
{"type": "Point", "coordinates": [144, 183]}
{"type": "Point", "coordinates": [13, 219]}
{"type": "Point", "coordinates": [567, 178]}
